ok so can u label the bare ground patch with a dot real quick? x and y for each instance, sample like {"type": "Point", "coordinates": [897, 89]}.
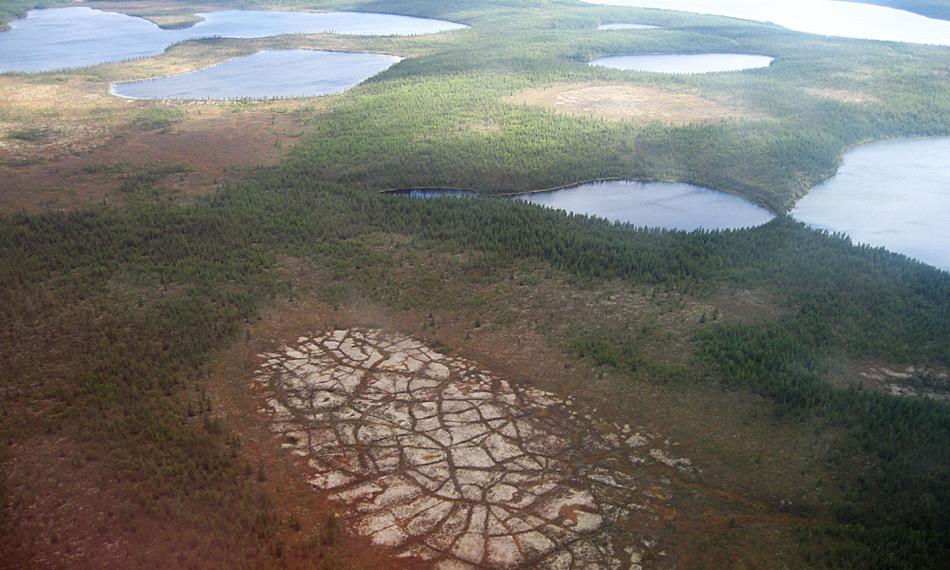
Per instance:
{"type": "Point", "coordinates": [168, 15]}
{"type": "Point", "coordinates": [630, 102]}
{"type": "Point", "coordinates": [443, 461]}
{"type": "Point", "coordinates": [727, 516]}
{"type": "Point", "coordinates": [211, 146]}
{"type": "Point", "coordinates": [916, 382]}
{"type": "Point", "coordinates": [66, 142]}
{"type": "Point", "coordinates": [842, 95]}
{"type": "Point", "coordinates": [71, 113]}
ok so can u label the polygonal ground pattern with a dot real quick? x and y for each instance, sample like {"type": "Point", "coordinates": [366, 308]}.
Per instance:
{"type": "Point", "coordinates": [440, 460]}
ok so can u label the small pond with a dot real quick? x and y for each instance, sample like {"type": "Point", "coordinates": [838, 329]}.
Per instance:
{"type": "Point", "coordinates": [684, 63]}
{"type": "Point", "coordinates": [62, 38]}
{"type": "Point", "coordinates": [426, 193]}
{"type": "Point", "coordinates": [893, 194]}
{"type": "Point", "coordinates": [626, 27]}
{"type": "Point", "coordinates": [265, 74]}
{"type": "Point", "coordinates": [668, 205]}
{"type": "Point", "coordinates": [825, 17]}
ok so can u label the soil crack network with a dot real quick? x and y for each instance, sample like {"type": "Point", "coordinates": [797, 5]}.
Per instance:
{"type": "Point", "coordinates": [440, 460]}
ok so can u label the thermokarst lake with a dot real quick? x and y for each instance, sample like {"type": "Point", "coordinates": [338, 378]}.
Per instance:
{"type": "Point", "coordinates": [684, 63]}
{"type": "Point", "coordinates": [893, 194]}
{"type": "Point", "coordinates": [824, 17]}
{"type": "Point", "coordinates": [63, 38]}
{"type": "Point", "coordinates": [277, 73]}
{"type": "Point", "coordinates": [666, 205]}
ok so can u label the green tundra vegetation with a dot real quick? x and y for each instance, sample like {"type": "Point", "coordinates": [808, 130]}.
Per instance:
{"type": "Point", "coordinates": [13, 9]}
{"type": "Point", "coordinates": [111, 316]}
{"type": "Point", "coordinates": [451, 105]}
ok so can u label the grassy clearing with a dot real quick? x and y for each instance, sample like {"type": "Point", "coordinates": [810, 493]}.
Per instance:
{"type": "Point", "coordinates": [29, 135]}
{"type": "Point", "coordinates": [158, 118]}
{"type": "Point", "coordinates": [629, 103]}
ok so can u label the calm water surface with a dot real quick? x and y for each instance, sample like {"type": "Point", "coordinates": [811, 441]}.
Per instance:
{"type": "Point", "coordinates": [684, 63]}
{"type": "Point", "coordinates": [893, 194]}
{"type": "Point", "coordinates": [825, 17]}
{"type": "Point", "coordinates": [278, 73]}
{"type": "Point", "coordinates": [426, 193]}
{"type": "Point", "coordinates": [668, 205]}
{"type": "Point", "coordinates": [62, 38]}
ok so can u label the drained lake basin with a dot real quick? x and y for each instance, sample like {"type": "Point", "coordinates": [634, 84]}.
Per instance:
{"type": "Point", "coordinates": [63, 38]}
{"type": "Point", "coordinates": [684, 63]}
{"type": "Point", "coordinates": [266, 74]}
{"type": "Point", "coordinates": [824, 17]}
{"type": "Point", "coordinates": [893, 194]}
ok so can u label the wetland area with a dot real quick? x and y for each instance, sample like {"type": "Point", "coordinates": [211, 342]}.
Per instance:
{"type": "Point", "coordinates": [311, 289]}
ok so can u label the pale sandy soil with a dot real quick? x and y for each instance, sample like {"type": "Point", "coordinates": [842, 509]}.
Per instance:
{"type": "Point", "coordinates": [907, 382]}
{"type": "Point", "coordinates": [57, 130]}
{"type": "Point", "coordinates": [443, 461]}
{"type": "Point", "coordinates": [843, 95]}
{"type": "Point", "coordinates": [83, 162]}
{"type": "Point", "coordinates": [162, 13]}
{"type": "Point", "coordinates": [630, 102]}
